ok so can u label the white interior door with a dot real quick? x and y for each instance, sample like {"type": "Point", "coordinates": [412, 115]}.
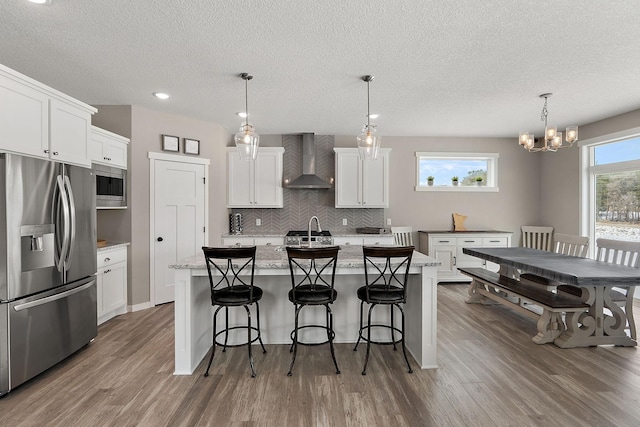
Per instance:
{"type": "Point", "coordinates": [178, 220]}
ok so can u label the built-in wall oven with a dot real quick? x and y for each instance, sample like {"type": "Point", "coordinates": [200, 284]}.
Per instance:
{"type": "Point", "coordinates": [111, 187]}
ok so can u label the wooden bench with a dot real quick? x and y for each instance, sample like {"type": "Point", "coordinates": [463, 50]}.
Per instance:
{"type": "Point", "coordinates": [515, 294]}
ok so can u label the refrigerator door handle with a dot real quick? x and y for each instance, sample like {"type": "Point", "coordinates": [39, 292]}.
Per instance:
{"type": "Point", "coordinates": [61, 232]}
{"type": "Point", "coordinates": [72, 220]}
{"type": "Point", "coordinates": [55, 297]}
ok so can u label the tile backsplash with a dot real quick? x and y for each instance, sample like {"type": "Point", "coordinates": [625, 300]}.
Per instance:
{"type": "Point", "coordinates": [301, 204]}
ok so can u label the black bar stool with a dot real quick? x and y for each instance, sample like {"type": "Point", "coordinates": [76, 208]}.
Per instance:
{"type": "Point", "coordinates": [386, 274]}
{"type": "Point", "coordinates": [312, 276]}
{"type": "Point", "coordinates": [229, 289]}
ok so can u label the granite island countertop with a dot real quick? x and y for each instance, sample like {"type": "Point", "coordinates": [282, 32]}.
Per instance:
{"type": "Point", "coordinates": [275, 257]}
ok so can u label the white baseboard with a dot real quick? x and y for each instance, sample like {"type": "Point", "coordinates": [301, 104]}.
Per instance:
{"type": "Point", "coordinates": [139, 307]}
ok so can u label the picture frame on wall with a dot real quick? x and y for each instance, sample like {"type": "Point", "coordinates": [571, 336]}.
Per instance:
{"type": "Point", "coordinates": [170, 143]}
{"type": "Point", "coordinates": [191, 146]}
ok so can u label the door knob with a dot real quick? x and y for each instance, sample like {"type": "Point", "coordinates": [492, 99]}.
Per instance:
{"type": "Point", "coordinates": [160, 239]}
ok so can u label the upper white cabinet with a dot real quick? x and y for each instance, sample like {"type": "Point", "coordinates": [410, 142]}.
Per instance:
{"type": "Point", "coordinates": [255, 183]}
{"type": "Point", "coordinates": [107, 148]}
{"type": "Point", "coordinates": [361, 183]}
{"type": "Point", "coordinates": [39, 121]}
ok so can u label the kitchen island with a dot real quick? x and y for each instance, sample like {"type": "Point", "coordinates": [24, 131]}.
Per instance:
{"type": "Point", "coordinates": [193, 310]}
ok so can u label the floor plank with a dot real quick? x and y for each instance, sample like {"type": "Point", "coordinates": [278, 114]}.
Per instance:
{"type": "Point", "coordinates": [490, 373]}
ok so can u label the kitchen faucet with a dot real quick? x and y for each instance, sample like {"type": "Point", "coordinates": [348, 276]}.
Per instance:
{"type": "Point", "coordinates": [319, 228]}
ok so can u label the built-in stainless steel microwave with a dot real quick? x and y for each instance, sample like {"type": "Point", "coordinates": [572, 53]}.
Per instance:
{"type": "Point", "coordinates": [111, 187]}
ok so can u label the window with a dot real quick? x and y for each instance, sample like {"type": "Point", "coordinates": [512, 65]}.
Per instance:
{"type": "Point", "coordinates": [612, 183]}
{"type": "Point", "coordinates": [456, 171]}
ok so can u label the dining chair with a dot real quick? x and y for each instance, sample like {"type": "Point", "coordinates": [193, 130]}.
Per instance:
{"type": "Point", "coordinates": [402, 236]}
{"type": "Point", "coordinates": [565, 244]}
{"type": "Point", "coordinates": [622, 253]}
{"type": "Point", "coordinates": [537, 237]}
{"type": "Point", "coordinates": [386, 272]}
{"type": "Point", "coordinates": [313, 273]}
{"type": "Point", "coordinates": [231, 271]}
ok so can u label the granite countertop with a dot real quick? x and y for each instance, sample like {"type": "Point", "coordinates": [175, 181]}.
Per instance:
{"type": "Point", "coordinates": [349, 234]}
{"type": "Point", "coordinates": [276, 257]}
{"type": "Point", "coordinates": [113, 245]}
{"type": "Point", "coordinates": [464, 231]}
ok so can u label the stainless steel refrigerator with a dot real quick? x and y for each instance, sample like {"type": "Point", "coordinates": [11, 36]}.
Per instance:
{"type": "Point", "coordinates": [47, 265]}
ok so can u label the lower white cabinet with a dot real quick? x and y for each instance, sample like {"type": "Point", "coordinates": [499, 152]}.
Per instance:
{"type": "Point", "coordinates": [447, 248]}
{"type": "Point", "coordinates": [250, 240]}
{"type": "Point", "coordinates": [364, 240]}
{"type": "Point", "coordinates": [112, 283]}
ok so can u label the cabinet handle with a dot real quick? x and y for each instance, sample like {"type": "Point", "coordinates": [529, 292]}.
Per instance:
{"type": "Point", "coordinates": [55, 153]}
{"type": "Point", "coordinates": [454, 261]}
{"type": "Point", "coordinates": [444, 241]}
{"type": "Point", "coordinates": [469, 241]}
{"type": "Point", "coordinates": [107, 259]}
{"type": "Point", "coordinates": [46, 151]}
{"type": "Point", "coordinates": [494, 241]}
{"type": "Point", "coordinates": [159, 239]}
{"type": "Point", "coordinates": [107, 271]}
{"type": "Point", "coordinates": [269, 244]}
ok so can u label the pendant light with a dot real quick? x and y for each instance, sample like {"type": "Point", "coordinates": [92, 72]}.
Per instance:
{"type": "Point", "coordinates": [552, 140]}
{"type": "Point", "coordinates": [368, 141]}
{"type": "Point", "coordinates": [247, 140]}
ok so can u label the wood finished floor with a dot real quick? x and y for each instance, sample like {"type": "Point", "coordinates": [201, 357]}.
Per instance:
{"type": "Point", "coordinates": [490, 374]}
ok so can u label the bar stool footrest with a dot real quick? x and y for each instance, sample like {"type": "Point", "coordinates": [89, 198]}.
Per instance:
{"type": "Point", "coordinates": [226, 330]}
{"type": "Point", "coordinates": [363, 336]}
{"type": "Point", "coordinates": [332, 334]}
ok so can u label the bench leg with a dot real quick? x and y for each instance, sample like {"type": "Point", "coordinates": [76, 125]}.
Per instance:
{"type": "Point", "coordinates": [550, 326]}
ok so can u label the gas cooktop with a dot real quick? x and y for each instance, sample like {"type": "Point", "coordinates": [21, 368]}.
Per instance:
{"type": "Point", "coordinates": [297, 237]}
{"type": "Point", "coordinates": [305, 233]}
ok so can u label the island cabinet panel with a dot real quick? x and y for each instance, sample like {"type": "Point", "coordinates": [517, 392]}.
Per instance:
{"type": "Point", "coordinates": [107, 148]}
{"type": "Point", "coordinates": [39, 121]}
{"type": "Point", "coordinates": [255, 183]}
{"type": "Point", "coordinates": [447, 247]}
{"type": "Point", "coordinates": [367, 240]}
{"type": "Point", "coordinates": [361, 183]}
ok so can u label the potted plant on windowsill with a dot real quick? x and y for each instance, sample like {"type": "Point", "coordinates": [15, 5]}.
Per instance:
{"type": "Point", "coordinates": [454, 181]}
{"type": "Point", "coordinates": [430, 180]}
{"type": "Point", "coordinates": [479, 180]}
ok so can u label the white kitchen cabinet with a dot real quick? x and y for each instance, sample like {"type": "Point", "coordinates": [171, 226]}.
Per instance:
{"type": "Point", "coordinates": [107, 148]}
{"type": "Point", "coordinates": [361, 183]}
{"type": "Point", "coordinates": [112, 283]}
{"type": "Point", "coordinates": [255, 183]}
{"type": "Point", "coordinates": [367, 240]}
{"type": "Point", "coordinates": [447, 247]}
{"type": "Point", "coordinates": [251, 240]}
{"type": "Point", "coordinates": [39, 121]}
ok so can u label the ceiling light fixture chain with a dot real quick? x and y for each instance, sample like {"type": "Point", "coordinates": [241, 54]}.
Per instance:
{"type": "Point", "coordinates": [247, 140]}
{"type": "Point", "coordinates": [552, 140]}
{"type": "Point", "coordinates": [368, 141]}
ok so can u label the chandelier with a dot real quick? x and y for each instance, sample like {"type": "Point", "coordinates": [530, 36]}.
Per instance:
{"type": "Point", "coordinates": [368, 141]}
{"type": "Point", "coordinates": [247, 140]}
{"type": "Point", "coordinates": [552, 138]}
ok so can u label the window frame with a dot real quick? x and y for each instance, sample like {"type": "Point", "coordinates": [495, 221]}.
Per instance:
{"type": "Point", "coordinates": [491, 184]}
{"type": "Point", "coordinates": [588, 172]}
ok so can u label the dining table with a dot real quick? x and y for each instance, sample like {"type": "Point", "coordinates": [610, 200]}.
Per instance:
{"type": "Point", "coordinates": [604, 322]}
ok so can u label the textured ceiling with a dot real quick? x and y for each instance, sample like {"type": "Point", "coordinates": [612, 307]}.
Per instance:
{"type": "Point", "coordinates": [442, 68]}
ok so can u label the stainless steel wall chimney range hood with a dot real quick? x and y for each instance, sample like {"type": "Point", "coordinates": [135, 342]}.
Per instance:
{"type": "Point", "coordinates": [309, 179]}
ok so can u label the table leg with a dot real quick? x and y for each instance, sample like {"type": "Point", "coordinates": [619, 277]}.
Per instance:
{"type": "Point", "coordinates": [595, 327]}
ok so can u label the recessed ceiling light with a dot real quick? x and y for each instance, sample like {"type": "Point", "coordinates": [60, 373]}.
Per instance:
{"type": "Point", "coordinates": [242, 114]}
{"type": "Point", "coordinates": [161, 95]}
{"type": "Point", "coordinates": [374, 116]}
{"type": "Point", "coordinates": [40, 1]}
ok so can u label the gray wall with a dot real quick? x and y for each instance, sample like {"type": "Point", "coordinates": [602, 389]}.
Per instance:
{"type": "Point", "coordinates": [535, 188]}
{"type": "Point", "coordinates": [147, 126]}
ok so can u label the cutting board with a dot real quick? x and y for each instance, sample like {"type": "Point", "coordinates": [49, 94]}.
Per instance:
{"type": "Point", "coordinates": [102, 243]}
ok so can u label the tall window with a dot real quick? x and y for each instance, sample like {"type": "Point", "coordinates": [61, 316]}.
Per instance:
{"type": "Point", "coordinates": [613, 189]}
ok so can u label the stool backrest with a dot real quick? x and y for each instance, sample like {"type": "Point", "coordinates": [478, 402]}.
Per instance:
{"type": "Point", "coordinates": [402, 236]}
{"type": "Point", "coordinates": [619, 252]}
{"type": "Point", "coordinates": [570, 245]}
{"type": "Point", "coordinates": [230, 263]}
{"type": "Point", "coordinates": [387, 267]}
{"type": "Point", "coordinates": [315, 268]}
{"type": "Point", "coordinates": [537, 237]}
